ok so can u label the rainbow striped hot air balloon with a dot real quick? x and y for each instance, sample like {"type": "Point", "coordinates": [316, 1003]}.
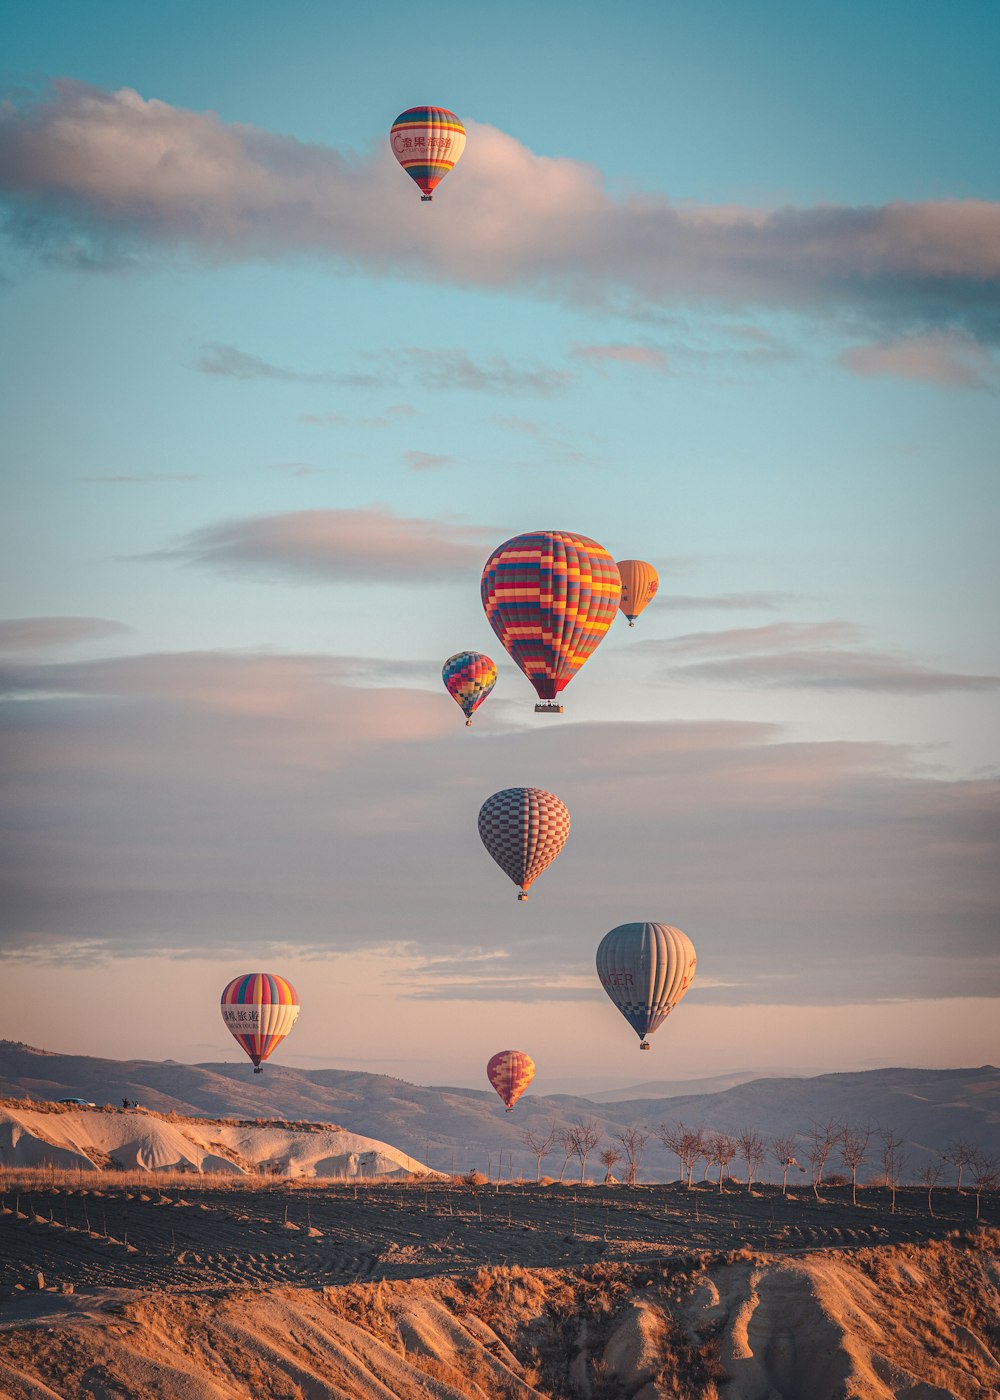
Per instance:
{"type": "Point", "coordinates": [427, 142]}
{"type": "Point", "coordinates": [469, 676]}
{"type": "Point", "coordinates": [510, 1072]}
{"type": "Point", "coordinates": [260, 1009]}
{"type": "Point", "coordinates": [524, 829]}
{"type": "Point", "coordinates": [550, 596]}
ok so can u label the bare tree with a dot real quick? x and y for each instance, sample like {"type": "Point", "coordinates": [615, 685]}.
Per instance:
{"type": "Point", "coordinates": [540, 1144]}
{"type": "Point", "coordinates": [929, 1176]}
{"type": "Point", "coordinates": [610, 1157]}
{"type": "Point", "coordinates": [853, 1146]}
{"type": "Point", "coordinates": [985, 1174]}
{"type": "Point", "coordinates": [959, 1155]}
{"type": "Point", "coordinates": [754, 1150]}
{"type": "Point", "coordinates": [893, 1160]}
{"type": "Point", "coordinates": [633, 1144]}
{"type": "Point", "coordinates": [720, 1149]}
{"type": "Point", "coordinates": [674, 1138]}
{"type": "Point", "coordinates": [566, 1139]}
{"type": "Point", "coordinates": [586, 1136]}
{"type": "Point", "coordinates": [694, 1143]}
{"type": "Point", "coordinates": [784, 1150]}
{"type": "Point", "coordinates": [822, 1137]}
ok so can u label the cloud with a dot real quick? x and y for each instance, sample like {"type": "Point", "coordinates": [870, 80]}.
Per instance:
{"type": "Point", "coordinates": [223, 802]}
{"type": "Point", "coordinates": [642, 355]}
{"type": "Point", "coordinates": [430, 369]}
{"type": "Point", "coordinates": [100, 177]}
{"type": "Point", "coordinates": [29, 634]}
{"type": "Point", "coordinates": [427, 461]}
{"type": "Point", "coordinates": [140, 478]}
{"type": "Point", "coordinates": [947, 358]}
{"type": "Point", "coordinates": [809, 656]}
{"type": "Point", "coordinates": [722, 602]}
{"type": "Point", "coordinates": [389, 416]}
{"type": "Point", "coordinates": [371, 543]}
{"type": "Point", "coordinates": [230, 363]}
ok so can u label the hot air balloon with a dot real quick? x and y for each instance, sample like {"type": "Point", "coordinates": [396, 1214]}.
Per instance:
{"type": "Point", "coordinates": [469, 676]}
{"type": "Point", "coordinates": [639, 584]}
{"type": "Point", "coordinates": [524, 829]}
{"type": "Point", "coordinates": [510, 1072]}
{"type": "Point", "coordinates": [427, 142]}
{"type": "Point", "coordinates": [645, 970]}
{"type": "Point", "coordinates": [260, 1009]}
{"type": "Point", "coordinates": [550, 597]}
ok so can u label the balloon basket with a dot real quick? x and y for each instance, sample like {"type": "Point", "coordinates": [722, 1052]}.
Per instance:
{"type": "Point", "coordinates": [258, 1069]}
{"type": "Point", "coordinates": [426, 198]}
{"type": "Point", "coordinates": [523, 895]}
{"type": "Point", "coordinates": [468, 724]}
{"type": "Point", "coordinates": [548, 707]}
{"type": "Point", "coordinates": [644, 1045]}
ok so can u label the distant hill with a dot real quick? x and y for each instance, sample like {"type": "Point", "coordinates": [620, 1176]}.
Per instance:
{"type": "Point", "coordinates": [453, 1128]}
{"type": "Point", "coordinates": [671, 1088]}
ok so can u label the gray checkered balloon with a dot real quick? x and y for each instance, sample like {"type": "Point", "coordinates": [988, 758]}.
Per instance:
{"type": "Point", "coordinates": [524, 829]}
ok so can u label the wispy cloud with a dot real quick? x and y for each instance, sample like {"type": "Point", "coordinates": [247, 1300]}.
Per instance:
{"type": "Point", "coordinates": [372, 543]}
{"type": "Point", "coordinates": [814, 656]}
{"type": "Point", "coordinates": [140, 478]}
{"type": "Point", "coordinates": [39, 634]}
{"type": "Point", "coordinates": [641, 356]}
{"type": "Point", "coordinates": [96, 176]}
{"type": "Point", "coordinates": [722, 602]}
{"type": "Point", "coordinates": [950, 358]}
{"type": "Point", "coordinates": [440, 369]}
{"type": "Point", "coordinates": [427, 461]}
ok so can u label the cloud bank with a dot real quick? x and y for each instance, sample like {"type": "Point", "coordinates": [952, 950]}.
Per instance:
{"type": "Point", "coordinates": [219, 801]}
{"type": "Point", "coordinates": [372, 543]}
{"type": "Point", "coordinates": [93, 175]}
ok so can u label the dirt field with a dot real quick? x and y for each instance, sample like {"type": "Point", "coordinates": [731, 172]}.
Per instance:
{"type": "Point", "coordinates": [98, 1235]}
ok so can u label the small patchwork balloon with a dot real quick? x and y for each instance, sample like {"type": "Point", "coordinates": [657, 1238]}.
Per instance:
{"type": "Point", "coordinates": [469, 676]}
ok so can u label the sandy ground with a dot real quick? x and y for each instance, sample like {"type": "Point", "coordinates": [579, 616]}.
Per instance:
{"type": "Point", "coordinates": [595, 1292]}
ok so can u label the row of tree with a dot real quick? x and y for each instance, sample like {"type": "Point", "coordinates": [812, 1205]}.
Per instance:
{"type": "Point", "coordinates": [832, 1140]}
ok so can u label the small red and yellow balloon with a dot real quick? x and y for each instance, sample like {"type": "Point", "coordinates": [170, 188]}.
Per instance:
{"type": "Point", "coordinates": [510, 1072]}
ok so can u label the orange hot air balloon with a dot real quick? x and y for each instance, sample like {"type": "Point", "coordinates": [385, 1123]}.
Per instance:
{"type": "Point", "coordinates": [639, 584]}
{"type": "Point", "coordinates": [510, 1072]}
{"type": "Point", "coordinates": [550, 596]}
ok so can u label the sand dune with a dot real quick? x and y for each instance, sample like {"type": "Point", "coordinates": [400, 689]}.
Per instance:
{"type": "Point", "coordinates": [879, 1324]}
{"type": "Point", "coordinates": [135, 1139]}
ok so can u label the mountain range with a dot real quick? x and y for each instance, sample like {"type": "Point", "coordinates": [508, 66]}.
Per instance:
{"type": "Point", "coordinates": [456, 1129]}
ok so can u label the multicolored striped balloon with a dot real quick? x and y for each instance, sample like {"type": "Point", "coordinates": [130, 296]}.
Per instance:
{"type": "Point", "coordinates": [469, 676]}
{"type": "Point", "coordinates": [550, 597]}
{"type": "Point", "coordinates": [427, 142]}
{"type": "Point", "coordinates": [260, 1009]}
{"type": "Point", "coordinates": [510, 1072]}
{"type": "Point", "coordinates": [645, 970]}
{"type": "Point", "coordinates": [639, 584]}
{"type": "Point", "coordinates": [524, 829]}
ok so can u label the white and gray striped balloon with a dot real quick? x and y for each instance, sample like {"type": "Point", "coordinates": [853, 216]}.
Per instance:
{"type": "Point", "coordinates": [645, 970]}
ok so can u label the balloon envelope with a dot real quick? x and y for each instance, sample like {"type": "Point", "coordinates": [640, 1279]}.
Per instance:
{"type": "Point", "coordinates": [260, 1009]}
{"type": "Point", "coordinates": [524, 829]}
{"type": "Point", "coordinates": [639, 584]}
{"type": "Point", "coordinates": [427, 142]}
{"type": "Point", "coordinates": [550, 596]}
{"type": "Point", "coordinates": [469, 676]}
{"type": "Point", "coordinates": [645, 970]}
{"type": "Point", "coordinates": [510, 1072]}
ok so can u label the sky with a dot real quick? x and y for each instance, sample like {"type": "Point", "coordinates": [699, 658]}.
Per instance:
{"type": "Point", "coordinates": [715, 285]}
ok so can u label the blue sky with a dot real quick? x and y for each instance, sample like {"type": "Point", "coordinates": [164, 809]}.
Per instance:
{"type": "Point", "coordinates": [718, 288]}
